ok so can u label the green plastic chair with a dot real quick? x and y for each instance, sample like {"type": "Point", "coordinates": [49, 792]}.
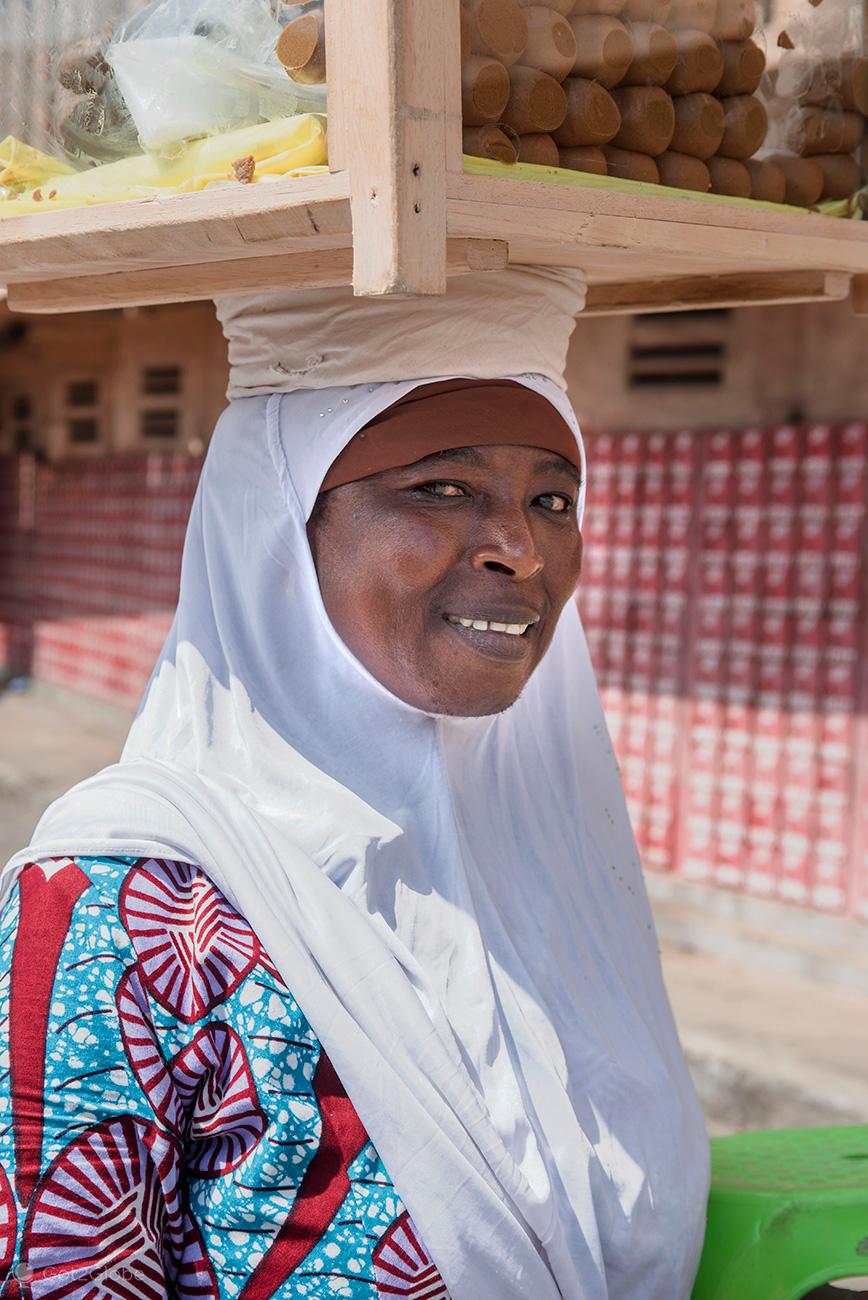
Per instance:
{"type": "Point", "coordinates": [788, 1212]}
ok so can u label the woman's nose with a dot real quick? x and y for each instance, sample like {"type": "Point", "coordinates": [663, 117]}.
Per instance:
{"type": "Point", "coordinates": [508, 547]}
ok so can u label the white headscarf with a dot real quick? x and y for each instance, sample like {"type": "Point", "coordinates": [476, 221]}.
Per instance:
{"type": "Point", "coordinates": [455, 903]}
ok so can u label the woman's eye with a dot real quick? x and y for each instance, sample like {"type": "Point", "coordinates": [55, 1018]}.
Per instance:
{"type": "Point", "coordinates": [441, 489]}
{"type": "Point", "coordinates": [557, 504]}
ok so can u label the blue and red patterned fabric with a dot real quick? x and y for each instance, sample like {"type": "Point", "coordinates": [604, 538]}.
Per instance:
{"type": "Point", "coordinates": [169, 1122]}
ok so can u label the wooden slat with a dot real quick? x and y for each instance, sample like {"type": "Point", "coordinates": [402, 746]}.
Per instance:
{"type": "Point", "coordinates": [237, 221]}
{"type": "Point", "coordinates": [390, 127]}
{"type": "Point", "coordinates": [310, 270]}
{"type": "Point", "coordinates": [860, 295]}
{"type": "Point", "coordinates": [691, 292]}
{"type": "Point", "coordinates": [568, 221]}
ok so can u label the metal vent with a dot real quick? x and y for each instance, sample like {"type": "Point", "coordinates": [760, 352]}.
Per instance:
{"type": "Point", "coordinates": [160, 423]}
{"type": "Point", "coordinates": [688, 350]}
{"type": "Point", "coordinates": [161, 381]}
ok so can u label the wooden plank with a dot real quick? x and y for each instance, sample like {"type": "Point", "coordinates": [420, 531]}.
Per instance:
{"type": "Point", "coordinates": [235, 221]}
{"type": "Point", "coordinates": [686, 293]}
{"type": "Point", "coordinates": [317, 269]}
{"type": "Point", "coordinates": [860, 295]}
{"type": "Point", "coordinates": [571, 220]}
{"type": "Point", "coordinates": [394, 63]}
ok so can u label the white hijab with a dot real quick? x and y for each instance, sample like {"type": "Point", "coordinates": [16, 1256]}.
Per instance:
{"type": "Point", "coordinates": [456, 903]}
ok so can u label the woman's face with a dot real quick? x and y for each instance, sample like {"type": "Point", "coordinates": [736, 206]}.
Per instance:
{"type": "Point", "coordinates": [446, 578]}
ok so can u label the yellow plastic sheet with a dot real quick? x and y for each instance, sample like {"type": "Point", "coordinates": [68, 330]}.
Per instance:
{"type": "Point", "coordinates": [284, 147]}
{"type": "Point", "coordinates": [22, 166]}
{"type": "Point", "coordinates": [584, 180]}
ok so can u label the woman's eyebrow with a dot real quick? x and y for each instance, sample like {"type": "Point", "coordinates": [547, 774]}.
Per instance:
{"type": "Point", "coordinates": [555, 464]}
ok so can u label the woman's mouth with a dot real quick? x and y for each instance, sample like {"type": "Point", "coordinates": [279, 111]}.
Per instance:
{"type": "Point", "coordinates": [489, 625]}
{"type": "Point", "coordinates": [505, 637]}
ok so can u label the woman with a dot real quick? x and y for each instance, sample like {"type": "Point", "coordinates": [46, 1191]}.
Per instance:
{"type": "Point", "coordinates": [351, 985]}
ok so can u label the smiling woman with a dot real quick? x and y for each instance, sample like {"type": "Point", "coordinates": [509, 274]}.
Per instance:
{"type": "Point", "coordinates": [471, 552]}
{"type": "Point", "coordinates": [345, 978]}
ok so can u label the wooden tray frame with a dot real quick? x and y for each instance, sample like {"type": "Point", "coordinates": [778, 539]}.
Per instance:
{"type": "Point", "coordinates": [396, 214]}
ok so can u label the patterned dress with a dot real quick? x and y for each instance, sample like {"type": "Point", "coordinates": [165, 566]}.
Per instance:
{"type": "Point", "coordinates": [169, 1123]}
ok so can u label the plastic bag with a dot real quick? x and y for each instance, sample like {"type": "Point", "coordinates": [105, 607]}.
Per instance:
{"type": "Point", "coordinates": [193, 68]}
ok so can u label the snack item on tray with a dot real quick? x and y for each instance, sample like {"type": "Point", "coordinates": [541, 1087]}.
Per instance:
{"type": "Point", "coordinates": [767, 180]}
{"type": "Point", "coordinates": [699, 125]}
{"type": "Point", "coordinates": [655, 54]}
{"type": "Point", "coordinates": [585, 158]}
{"type": "Point", "coordinates": [498, 28]}
{"type": "Point", "coordinates": [551, 44]}
{"type": "Point", "coordinates": [631, 166]}
{"type": "Point", "coordinates": [841, 174]}
{"type": "Point", "coordinates": [301, 48]}
{"type": "Point", "coordinates": [592, 116]}
{"type": "Point", "coordinates": [604, 50]}
{"type": "Point", "coordinates": [683, 172]}
{"type": "Point", "coordinates": [485, 90]}
{"type": "Point", "coordinates": [538, 148]}
{"type": "Point", "coordinates": [696, 14]}
{"type": "Point", "coordinates": [804, 179]}
{"type": "Point", "coordinates": [698, 63]}
{"type": "Point", "coordinates": [743, 66]}
{"type": "Point", "coordinates": [729, 176]}
{"type": "Point", "coordinates": [745, 126]}
{"type": "Point", "coordinates": [490, 142]}
{"type": "Point", "coordinates": [647, 119]}
{"type": "Point", "coordinates": [536, 101]}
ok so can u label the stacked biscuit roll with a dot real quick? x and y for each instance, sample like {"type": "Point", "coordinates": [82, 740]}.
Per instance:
{"type": "Point", "coordinates": [823, 155]}
{"type": "Point", "coordinates": [662, 91]}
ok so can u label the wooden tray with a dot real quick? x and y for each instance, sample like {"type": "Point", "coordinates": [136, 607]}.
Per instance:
{"type": "Point", "coordinates": [397, 213]}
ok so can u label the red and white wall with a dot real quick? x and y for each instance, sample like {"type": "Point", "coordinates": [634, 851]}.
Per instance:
{"type": "Point", "coordinates": [725, 604]}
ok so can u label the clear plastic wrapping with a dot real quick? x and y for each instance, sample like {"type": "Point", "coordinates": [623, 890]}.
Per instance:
{"type": "Point", "coordinates": [94, 84]}
{"type": "Point", "coordinates": [762, 99]}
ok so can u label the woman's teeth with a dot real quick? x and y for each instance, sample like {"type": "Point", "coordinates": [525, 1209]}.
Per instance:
{"type": "Point", "coordinates": [483, 625]}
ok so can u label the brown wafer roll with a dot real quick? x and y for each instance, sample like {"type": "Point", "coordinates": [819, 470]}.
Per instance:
{"type": "Point", "coordinates": [466, 34]}
{"type": "Point", "coordinates": [767, 180]}
{"type": "Point", "coordinates": [729, 176]}
{"type": "Point", "coordinates": [537, 102]}
{"type": "Point", "coordinates": [682, 172]}
{"type": "Point", "coordinates": [821, 130]}
{"type": "Point", "coordinates": [490, 142]}
{"type": "Point", "coordinates": [842, 175]}
{"type": "Point", "coordinates": [604, 50]}
{"type": "Point", "coordinates": [804, 179]}
{"type": "Point", "coordinates": [497, 28]}
{"type": "Point", "coordinates": [301, 48]}
{"type": "Point", "coordinates": [540, 149]}
{"type": "Point", "coordinates": [485, 90]}
{"type": "Point", "coordinates": [551, 45]}
{"type": "Point", "coordinates": [745, 125]}
{"type": "Point", "coordinates": [696, 14]}
{"type": "Point", "coordinates": [743, 66]}
{"type": "Point", "coordinates": [699, 125]}
{"type": "Point", "coordinates": [562, 7]}
{"type": "Point", "coordinates": [592, 115]}
{"type": "Point", "coordinates": [832, 83]}
{"type": "Point", "coordinates": [631, 166]}
{"type": "Point", "coordinates": [647, 119]}
{"type": "Point", "coordinates": [654, 55]}
{"type": "Point", "coordinates": [647, 11]}
{"type": "Point", "coordinates": [735, 20]}
{"type": "Point", "coordinates": [698, 63]}
{"type": "Point", "coordinates": [585, 159]}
